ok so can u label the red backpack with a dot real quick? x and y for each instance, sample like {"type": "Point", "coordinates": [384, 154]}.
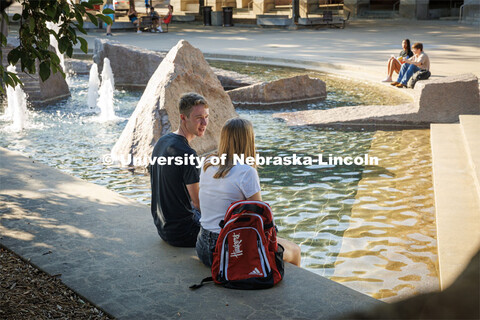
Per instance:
{"type": "Point", "coordinates": [247, 255]}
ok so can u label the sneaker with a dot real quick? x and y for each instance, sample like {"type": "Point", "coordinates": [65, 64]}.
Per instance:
{"type": "Point", "coordinates": [394, 83]}
{"type": "Point", "coordinates": [152, 30]}
{"type": "Point", "coordinates": [159, 29]}
{"type": "Point", "coordinates": [109, 35]}
{"type": "Point", "coordinates": [138, 31]}
{"type": "Point", "coordinates": [387, 79]}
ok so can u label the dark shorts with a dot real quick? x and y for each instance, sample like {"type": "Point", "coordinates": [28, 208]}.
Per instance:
{"type": "Point", "coordinates": [133, 19]}
{"type": "Point", "coordinates": [205, 247]}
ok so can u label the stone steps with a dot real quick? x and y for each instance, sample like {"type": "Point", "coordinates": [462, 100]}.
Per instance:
{"type": "Point", "coordinates": [455, 150]}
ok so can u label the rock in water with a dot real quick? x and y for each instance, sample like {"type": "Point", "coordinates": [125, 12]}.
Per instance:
{"type": "Point", "coordinates": [280, 93]}
{"type": "Point", "coordinates": [133, 66]}
{"type": "Point", "coordinates": [184, 69]}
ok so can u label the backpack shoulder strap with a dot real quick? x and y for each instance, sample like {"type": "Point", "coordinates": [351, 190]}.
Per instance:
{"type": "Point", "coordinates": [248, 207]}
{"type": "Point", "coordinates": [196, 286]}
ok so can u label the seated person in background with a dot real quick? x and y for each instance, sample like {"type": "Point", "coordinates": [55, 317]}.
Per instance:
{"type": "Point", "coordinates": [133, 17]}
{"type": "Point", "coordinates": [394, 63]}
{"type": "Point", "coordinates": [223, 184]}
{"type": "Point", "coordinates": [419, 61]}
{"type": "Point", "coordinates": [169, 15]}
{"type": "Point", "coordinates": [155, 20]}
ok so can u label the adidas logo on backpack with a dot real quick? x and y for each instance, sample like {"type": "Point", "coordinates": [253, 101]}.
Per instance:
{"type": "Point", "coordinates": [255, 272]}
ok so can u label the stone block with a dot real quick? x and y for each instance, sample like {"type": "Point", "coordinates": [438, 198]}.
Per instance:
{"type": "Point", "coordinates": [443, 100]}
{"type": "Point", "coordinates": [273, 20]}
{"type": "Point", "coordinates": [280, 93]}
{"type": "Point", "coordinates": [132, 67]}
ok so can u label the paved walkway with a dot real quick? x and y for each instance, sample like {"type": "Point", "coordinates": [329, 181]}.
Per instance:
{"type": "Point", "coordinates": [105, 247]}
{"type": "Point", "coordinates": [360, 50]}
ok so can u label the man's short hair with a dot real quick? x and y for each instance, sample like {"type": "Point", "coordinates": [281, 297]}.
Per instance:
{"type": "Point", "coordinates": [189, 100]}
{"type": "Point", "coordinates": [418, 45]}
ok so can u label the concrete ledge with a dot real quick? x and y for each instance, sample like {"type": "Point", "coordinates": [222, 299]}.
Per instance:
{"type": "Point", "coordinates": [457, 205]}
{"type": "Point", "coordinates": [273, 20]}
{"type": "Point", "coordinates": [185, 18]}
{"type": "Point", "coordinates": [441, 100]}
{"type": "Point", "coordinates": [106, 248]}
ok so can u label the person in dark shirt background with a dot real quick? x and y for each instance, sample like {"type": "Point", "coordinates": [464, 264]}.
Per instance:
{"type": "Point", "coordinates": [175, 204]}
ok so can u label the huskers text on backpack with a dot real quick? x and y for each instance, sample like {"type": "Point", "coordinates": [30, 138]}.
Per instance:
{"type": "Point", "coordinates": [247, 255]}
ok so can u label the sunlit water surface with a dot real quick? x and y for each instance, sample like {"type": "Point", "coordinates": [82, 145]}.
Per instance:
{"type": "Point", "coordinates": [370, 227]}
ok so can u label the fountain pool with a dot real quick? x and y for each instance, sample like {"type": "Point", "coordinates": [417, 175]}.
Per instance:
{"type": "Point", "coordinates": [369, 227]}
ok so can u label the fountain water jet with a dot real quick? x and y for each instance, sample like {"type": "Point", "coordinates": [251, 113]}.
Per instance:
{"type": "Point", "coordinates": [53, 41]}
{"type": "Point", "coordinates": [105, 101]}
{"type": "Point", "coordinates": [93, 84]}
{"type": "Point", "coordinates": [17, 105]}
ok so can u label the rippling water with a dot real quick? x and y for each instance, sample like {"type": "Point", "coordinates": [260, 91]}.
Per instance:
{"type": "Point", "coordinates": [369, 227]}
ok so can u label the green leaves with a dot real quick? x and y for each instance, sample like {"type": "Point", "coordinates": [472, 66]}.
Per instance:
{"type": "Point", "coordinates": [105, 19]}
{"type": "Point", "coordinates": [13, 56]}
{"type": "Point", "coordinates": [44, 70]}
{"type": "Point", "coordinates": [34, 35]}
{"type": "Point", "coordinates": [92, 18]}
{"type": "Point", "coordinates": [83, 44]}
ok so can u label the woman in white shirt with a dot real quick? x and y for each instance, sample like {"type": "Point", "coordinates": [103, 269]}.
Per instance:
{"type": "Point", "coordinates": [222, 184]}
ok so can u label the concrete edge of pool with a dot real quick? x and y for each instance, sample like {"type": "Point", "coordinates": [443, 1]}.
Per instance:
{"type": "Point", "coordinates": [456, 176]}
{"type": "Point", "coordinates": [106, 248]}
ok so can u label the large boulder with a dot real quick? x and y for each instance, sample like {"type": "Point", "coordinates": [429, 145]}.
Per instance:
{"type": "Point", "coordinates": [184, 69]}
{"type": "Point", "coordinates": [280, 93]}
{"type": "Point", "coordinates": [77, 66]}
{"type": "Point", "coordinates": [133, 66]}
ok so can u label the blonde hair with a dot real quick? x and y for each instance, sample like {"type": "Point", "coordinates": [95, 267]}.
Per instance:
{"type": "Point", "coordinates": [237, 137]}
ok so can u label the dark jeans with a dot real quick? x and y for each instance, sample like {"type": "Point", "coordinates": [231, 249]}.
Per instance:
{"type": "Point", "coordinates": [205, 247]}
{"type": "Point", "coordinates": [190, 239]}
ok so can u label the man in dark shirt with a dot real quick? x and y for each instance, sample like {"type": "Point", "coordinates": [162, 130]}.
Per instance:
{"type": "Point", "coordinates": [175, 186]}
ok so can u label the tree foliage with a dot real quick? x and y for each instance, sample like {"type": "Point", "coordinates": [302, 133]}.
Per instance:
{"type": "Point", "coordinates": [34, 35]}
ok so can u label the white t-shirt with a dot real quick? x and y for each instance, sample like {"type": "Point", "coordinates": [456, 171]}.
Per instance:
{"type": "Point", "coordinates": [216, 195]}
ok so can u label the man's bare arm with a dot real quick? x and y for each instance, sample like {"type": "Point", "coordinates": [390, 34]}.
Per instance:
{"type": "Point", "coordinates": [193, 192]}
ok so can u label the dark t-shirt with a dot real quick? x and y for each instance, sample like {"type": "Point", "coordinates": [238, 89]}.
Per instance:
{"type": "Point", "coordinates": [406, 54]}
{"type": "Point", "coordinates": [171, 206]}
